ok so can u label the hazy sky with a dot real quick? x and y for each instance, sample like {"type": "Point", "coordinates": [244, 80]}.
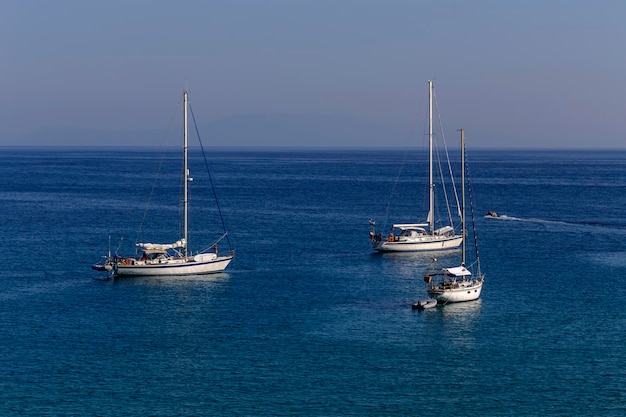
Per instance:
{"type": "Point", "coordinates": [512, 73]}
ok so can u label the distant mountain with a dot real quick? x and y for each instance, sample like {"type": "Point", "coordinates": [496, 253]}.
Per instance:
{"type": "Point", "coordinates": [77, 136]}
{"type": "Point", "coordinates": [304, 130]}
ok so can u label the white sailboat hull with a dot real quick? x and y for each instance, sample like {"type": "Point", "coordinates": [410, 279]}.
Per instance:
{"type": "Point", "coordinates": [459, 291]}
{"type": "Point", "coordinates": [173, 267]}
{"type": "Point", "coordinates": [170, 259]}
{"type": "Point", "coordinates": [456, 284]}
{"type": "Point", "coordinates": [415, 237]}
{"type": "Point", "coordinates": [422, 243]}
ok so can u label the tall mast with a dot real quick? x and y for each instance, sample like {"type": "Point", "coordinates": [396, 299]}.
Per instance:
{"type": "Point", "coordinates": [431, 193]}
{"type": "Point", "coordinates": [464, 232]}
{"type": "Point", "coordinates": [186, 178]}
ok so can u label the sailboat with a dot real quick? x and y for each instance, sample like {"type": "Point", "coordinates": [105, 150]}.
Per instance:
{"type": "Point", "coordinates": [171, 259]}
{"type": "Point", "coordinates": [411, 237]}
{"type": "Point", "coordinates": [458, 283]}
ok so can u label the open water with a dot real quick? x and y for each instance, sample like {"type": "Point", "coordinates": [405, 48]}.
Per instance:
{"type": "Point", "coordinates": [307, 320]}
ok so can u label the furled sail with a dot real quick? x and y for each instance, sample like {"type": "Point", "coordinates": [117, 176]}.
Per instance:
{"type": "Point", "coordinates": [162, 246]}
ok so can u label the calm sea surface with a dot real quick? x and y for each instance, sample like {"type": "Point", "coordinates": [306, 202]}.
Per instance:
{"type": "Point", "coordinates": [307, 320]}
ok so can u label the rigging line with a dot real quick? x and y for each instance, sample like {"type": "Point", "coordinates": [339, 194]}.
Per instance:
{"type": "Point", "coordinates": [425, 161]}
{"type": "Point", "coordinates": [393, 189]}
{"type": "Point", "coordinates": [206, 164]}
{"type": "Point", "coordinates": [215, 242]}
{"type": "Point", "coordinates": [413, 133]}
{"type": "Point", "coordinates": [443, 185]}
{"type": "Point", "coordinates": [117, 250]}
{"type": "Point", "coordinates": [181, 200]}
{"type": "Point", "coordinates": [156, 177]}
{"type": "Point", "coordinates": [456, 193]}
{"type": "Point", "coordinates": [471, 193]}
{"type": "Point", "coordinates": [439, 165]}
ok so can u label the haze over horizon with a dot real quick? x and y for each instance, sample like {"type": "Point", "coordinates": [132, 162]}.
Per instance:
{"type": "Point", "coordinates": [350, 73]}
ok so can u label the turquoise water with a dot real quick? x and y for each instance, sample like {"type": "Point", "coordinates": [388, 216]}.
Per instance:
{"type": "Point", "coordinates": [307, 320]}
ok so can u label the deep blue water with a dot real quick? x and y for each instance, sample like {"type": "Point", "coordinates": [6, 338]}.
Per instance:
{"type": "Point", "coordinates": [307, 320]}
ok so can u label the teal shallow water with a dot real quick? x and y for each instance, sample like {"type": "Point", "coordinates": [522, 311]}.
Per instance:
{"type": "Point", "coordinates": [308, 321]}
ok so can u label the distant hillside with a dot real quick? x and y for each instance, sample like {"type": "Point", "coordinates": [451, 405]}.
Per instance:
{"type": "Point", "coordinates": [311, 130]}
{"type": "Point", "coordinates": [76, 136]}
{"type": "Point", "coordinates": [300, 130]}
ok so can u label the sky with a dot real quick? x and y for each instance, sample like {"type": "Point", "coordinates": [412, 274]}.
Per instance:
{"type": "Point", "coordinates": [520, 74]}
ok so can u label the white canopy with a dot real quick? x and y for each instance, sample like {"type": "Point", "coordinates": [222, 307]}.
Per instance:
{"type": "Point", "coordinates": [162, 246]}
{"type": "Point", "coordinates": [458, 271]}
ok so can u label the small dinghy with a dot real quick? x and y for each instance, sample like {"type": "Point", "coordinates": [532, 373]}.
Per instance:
{"type": "Point", "coordinates": [424, 304]}
{"type": "Point", "coordinates": [105, 265]}
{"type": "Point", "coordinates": [492, 214]}
{"type": "Point", "coordinates": [101, 267]}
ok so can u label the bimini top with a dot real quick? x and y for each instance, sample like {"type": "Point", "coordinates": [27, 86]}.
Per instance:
{"type": "Point", "coordinates": [160, 247]}
{"type": "Point", "coordinates": [409, 226]}
{"type": "Point", "coordinates": [458, 271]}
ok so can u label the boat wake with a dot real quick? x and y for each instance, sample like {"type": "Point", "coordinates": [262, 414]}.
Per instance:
{"type": "Point", "coordinates": [520, 219]}
{"type": "Point", "coordinates": [591, 225]}
{"type": "Point", "coordinates": [107, 278]}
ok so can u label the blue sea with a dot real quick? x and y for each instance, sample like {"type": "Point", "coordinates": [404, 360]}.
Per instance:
{"type": "Point", "coordinates": [307, 320]}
